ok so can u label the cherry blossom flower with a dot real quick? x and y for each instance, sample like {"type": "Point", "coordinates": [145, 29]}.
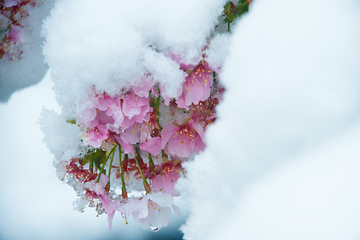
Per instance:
{"type": "Point", "coordinates": [184, 139]}
{"type": "Point", "coordinates": [103, 102]}
{"type": "Point", "coordinates": [135, 107]}
{"type": "Point", "coordinates": [197, 86]}
{"type": "Point", "coordinates": [166, 181]}
{"type": "Point", "coordinates": [153, 210]}
{"type": "Point", "coordinates": [115, 111]}
{"type": "Point", "coordinates": [109, 205]}
{"type": "Point", "coordinates": [129, 137]}
{"type": "Point", "coordinates": [95, 136]}
{"type": "Point", "coordinates": [16, 34]}
{"type": "Point", "coordinates": [143, 89]}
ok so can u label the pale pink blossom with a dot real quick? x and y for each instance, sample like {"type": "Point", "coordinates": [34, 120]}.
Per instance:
{"type": "Point", "coordinates": [87, 116]}
{"type": "Point", "coordinates": [103, 101]}
{"type": "Point", "coordinates": [184, 139]}
{"type": "Point", "coordinates": [16, 34]}
{"type": "Point", "coordinates": [95, 136]}
{"type": "Point", "coordinates": [149, 128]}
{"type": "Point", "coordinates": [197, 87]}
{"type": "Point", "coordinates": [166, 181]}
{"type": "Point", "coordinates": [115, 111]}
{"type": "Point", "coordinates": [109, 205]}
{"type": "Point", "coordinates": [143, 89]}
{"type": "Point", "coordinates": [153, 210]}
{"type": "Point", "coordinates": [135, 107]}
{"type": "Point", "coordinates": [132, 134]}
{"type": "Point", "coordinates": [129, 137]}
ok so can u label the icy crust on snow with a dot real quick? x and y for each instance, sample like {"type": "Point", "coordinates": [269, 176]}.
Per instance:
{"type": "Point", "coordinates": [62, 138]}
{"type": "Point", "coordinates": [292, 82]}
{"type": "Point", "coordinates": [116, 43]}
{"type": "Point", "coordinates": [30, 69]}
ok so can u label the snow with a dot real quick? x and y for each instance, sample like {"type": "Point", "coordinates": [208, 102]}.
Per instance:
{"type": "Point", "coordinates": [292, 84]}
{"type": "Point", "coordinates": [282, 159]}
{"type": "Point", "coordinates": [314, 196]}
{"type": "Point", "coordinates": [30, 69]}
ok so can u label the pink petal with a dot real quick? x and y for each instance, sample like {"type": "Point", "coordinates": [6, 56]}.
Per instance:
{"type": "Point", "coordinates": [93, 123]}
{"type": "Point", "coordinates": [140, 117]}
{"type": "Point", "coordinates": [110, 207]}
{"type": "Point", "coordinates": [132, 134]}
{"type": "Point", "coordinates": [180, 146]}
{"type": "Point", "coordinates": [127, 123]}
{"type": "Point", "coordinates": [101, 184]}
{"type": "Point", "coordinates": [16, 34]}
{"type": "Point", "coordinates": [153, 146]}
{"type": "Point", "coordinates": [167, 132]}
{"type": "Point", "coordinates": [199, 144]}
{"type": "Point", "coordinates": [198, 128]}
{"type": "Point", "coordinates": [128, 148]}
{"type": "Point", "coordinates": [105, 119]}
{"type": "Point", "coordinates": [143, 89]}
{"type": "Point", "coordinates": [181, 102]}
{"type": "Point", "coordinates": [194, 91]}
{"type": "Point", "coordinates": [130, 109]}
{"type": "Point", "coordinates": [155, 91]}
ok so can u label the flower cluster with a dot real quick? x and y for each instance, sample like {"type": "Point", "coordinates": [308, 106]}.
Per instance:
{"type": "Point", "coordinates": [12, 33]}
{"type": "Point", "coordinates": [136, 143]}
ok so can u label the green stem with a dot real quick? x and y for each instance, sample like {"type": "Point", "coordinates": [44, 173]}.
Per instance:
{"type": "Point", "coordinates": [151, 163]}
{"type": "Point", "coordinates": [157, 106]}
{"type": "Point", "coordinates": [146, 185]}
{"type": "Point", "coordinates": [91, 167]}
{"type": "Point", "coordinates": [123, 189]}
{"type": "Point", "coordinates": [228, 26]}
{"type": "Point", "coordinates": [103, 166]}
{"type": "Point", "coordinates": [111, 164]}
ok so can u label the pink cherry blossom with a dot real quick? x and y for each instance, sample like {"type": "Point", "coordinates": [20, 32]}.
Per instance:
{"type": "Point", "coordinates": [136, 107]}
{"type": "Point", "coordinates": [103, 102]}
{"type": "Point", "coordinates": [197, 87]}
{"type": "Point", "coordinates": [87, 116]}
{"type": "Point", "coordinates": [115, 111]}
{"type": "Point", "coordinates": [142, 90]}
{"type": "Point", "coordinates": [129, 137]}
{"type": "Point", "coordinates": [153, 210]}
{"type": "Point", "coordinates": [150, 127]}
{"type": "Point", "coordinates": [157, 218]}
{"type": "Point", "coordinates": [16, 34]}
{"type": "Point", "coordinates": [184, 139]}
{"type": "Point", "coordinates": [132, 134]}
{"type": "Point", "coordinates": [109, 205]}
{"type": "Point", "coordinates": [95, 136]}
{"type": "Point", "coordinates": [166, 181]}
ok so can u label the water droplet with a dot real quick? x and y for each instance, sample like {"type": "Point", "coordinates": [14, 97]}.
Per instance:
{"type": "Point", "coordinates": [153, 229]}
